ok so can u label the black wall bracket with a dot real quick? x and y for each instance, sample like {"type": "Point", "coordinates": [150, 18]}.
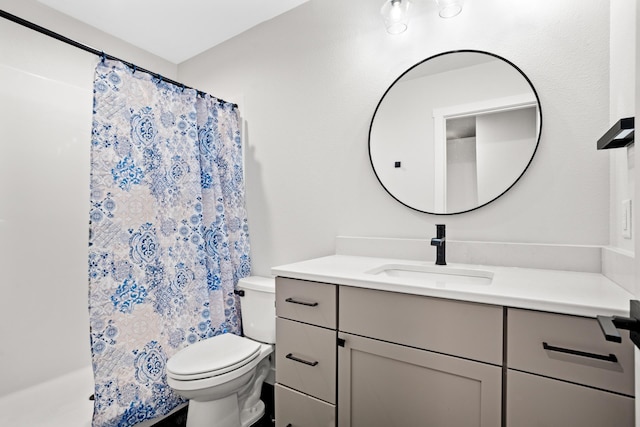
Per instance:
{"type": "Point", "coordinates": [620, 135]}
{"type": "Point", "coordinates": [611, 324]}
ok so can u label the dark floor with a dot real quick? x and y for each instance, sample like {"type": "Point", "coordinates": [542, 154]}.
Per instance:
{"type": "Point", "coordinates": [179, 419]}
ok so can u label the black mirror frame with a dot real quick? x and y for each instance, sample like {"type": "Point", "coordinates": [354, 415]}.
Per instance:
{"type": "Point", "coordinates": [422, 62]}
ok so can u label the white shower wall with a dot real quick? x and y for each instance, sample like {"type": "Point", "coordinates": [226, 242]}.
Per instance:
{"type": "Point", "coordinates": [45, 122]}
{"type": "Point", "coordinates": [45, 132]}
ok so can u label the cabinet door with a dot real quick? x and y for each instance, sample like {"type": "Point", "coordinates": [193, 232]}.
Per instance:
{"type": "Point", "coordinates": [382, 384]}
{"type": "Point", "coordinates": [534, 401]}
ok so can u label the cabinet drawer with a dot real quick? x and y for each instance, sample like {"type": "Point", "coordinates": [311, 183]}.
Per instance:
{"type": "Point", "coordinates": [457, 328]}
{"type": "Point", "coordinates": [527, 331]}
{"type": "Point", "coordinates": [306, 359]}
{"type": "Point", "coordinates": [534, 401]}
{"type": "Point", "coordinates": [308, 302]}
{"type": "Point", "coordinates": [295, 409]}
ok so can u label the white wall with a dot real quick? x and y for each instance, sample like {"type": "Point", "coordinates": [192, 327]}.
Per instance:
{"type": "Point", "coordinates": [46, 93]}
{"type": "Point", "coordinates": [36, 12]}
{"type": "Point", "coordinates": [622, 104]}
{"type": "Point", "coordinates": [635, 38]}
{"type": "Point", "coordinates": [308, 83]}
{"type": "Point", "coordinates": [44, 173]}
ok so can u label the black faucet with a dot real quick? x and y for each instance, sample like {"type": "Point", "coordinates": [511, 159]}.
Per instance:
{"type": "Point", "coordinates": [440, 243]}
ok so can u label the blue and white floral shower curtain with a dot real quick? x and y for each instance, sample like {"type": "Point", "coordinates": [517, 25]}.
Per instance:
{"type": "Point", "coordinates": [168, 235]}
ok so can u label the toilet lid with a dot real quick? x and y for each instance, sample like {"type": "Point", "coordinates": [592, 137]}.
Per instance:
{"type": "Point", "coordinates": [213, 356]}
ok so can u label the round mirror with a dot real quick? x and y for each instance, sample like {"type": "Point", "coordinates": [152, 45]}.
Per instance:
{"type": "Point", "coordinates": [455, 132]}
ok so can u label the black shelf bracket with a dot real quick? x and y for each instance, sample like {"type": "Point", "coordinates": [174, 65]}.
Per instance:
{"type": "Point", "coordinates": [620, 135]}
{"type": "Point", "coordinates": [611, 324]}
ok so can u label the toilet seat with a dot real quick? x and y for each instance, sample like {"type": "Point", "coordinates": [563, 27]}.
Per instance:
{"type": "Point", "coordinates": [212, 357]}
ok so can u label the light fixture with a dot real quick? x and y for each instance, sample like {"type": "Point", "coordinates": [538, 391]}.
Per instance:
{"type": "Point", "coordinates": [396, 15]}
{"type": "Point", "coordinates": [449, 8]}
{"type": "Point", "coordinates": [620, 135]}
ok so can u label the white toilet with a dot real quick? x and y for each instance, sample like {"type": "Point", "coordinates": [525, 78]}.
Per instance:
{"type": "Point", "coordinates": [222, 376]}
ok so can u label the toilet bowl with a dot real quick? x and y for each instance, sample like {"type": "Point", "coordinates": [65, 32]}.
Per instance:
{"type": "Point", "coordinates": [222, 376]}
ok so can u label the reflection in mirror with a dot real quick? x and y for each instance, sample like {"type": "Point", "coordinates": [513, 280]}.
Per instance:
{"type": "Point", "coordinates": [462, 126]}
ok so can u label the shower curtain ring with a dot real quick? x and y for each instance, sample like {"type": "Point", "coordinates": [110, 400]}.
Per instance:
{"type": "Point", "coordinates": [135, 68]}
{"type": "Point", "coordinates": [104, 57]}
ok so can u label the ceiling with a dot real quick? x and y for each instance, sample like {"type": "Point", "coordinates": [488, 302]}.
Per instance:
{"type": "Point", "coordinates": [171, 29]}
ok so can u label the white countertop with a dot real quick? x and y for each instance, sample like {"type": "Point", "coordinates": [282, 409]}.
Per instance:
{"type": "Point", "coordinates": [568, 292]}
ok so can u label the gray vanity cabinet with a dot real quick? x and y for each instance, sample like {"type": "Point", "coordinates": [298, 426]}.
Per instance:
{"type": "Point", "coordinates": [562, 372]}
{"type": "Point", "coordinates": [409, 361]}
{"type": "Point", "coordinates": [372, 358]}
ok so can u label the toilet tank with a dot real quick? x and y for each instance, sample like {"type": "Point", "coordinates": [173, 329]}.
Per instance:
{"type": "Point", "coordinates": [258, 308]}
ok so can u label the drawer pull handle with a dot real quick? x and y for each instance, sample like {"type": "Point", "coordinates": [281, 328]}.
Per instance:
{"type": "Point", "coordinates": [308, 304]}
{"type": "Point", "coordinates": [609, 358]}
{"type": "Point", "coordinates": [297, 359]}
{"type": "Point", "coordinates": [289, 425]}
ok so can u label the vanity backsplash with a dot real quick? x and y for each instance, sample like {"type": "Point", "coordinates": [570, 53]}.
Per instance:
{"type": "Point", "coordinates": [616, 265]}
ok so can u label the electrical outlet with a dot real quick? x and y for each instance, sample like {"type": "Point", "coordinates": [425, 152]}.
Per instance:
{"type": "Point", "coordinates": [626, 219]}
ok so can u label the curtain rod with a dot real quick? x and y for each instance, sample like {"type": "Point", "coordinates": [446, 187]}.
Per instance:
{"type": "Point", "coordinates": [60, 37]}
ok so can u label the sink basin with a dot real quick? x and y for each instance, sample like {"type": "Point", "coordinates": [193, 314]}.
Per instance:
{"type": "Point", "coordinates": [434, 274]}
